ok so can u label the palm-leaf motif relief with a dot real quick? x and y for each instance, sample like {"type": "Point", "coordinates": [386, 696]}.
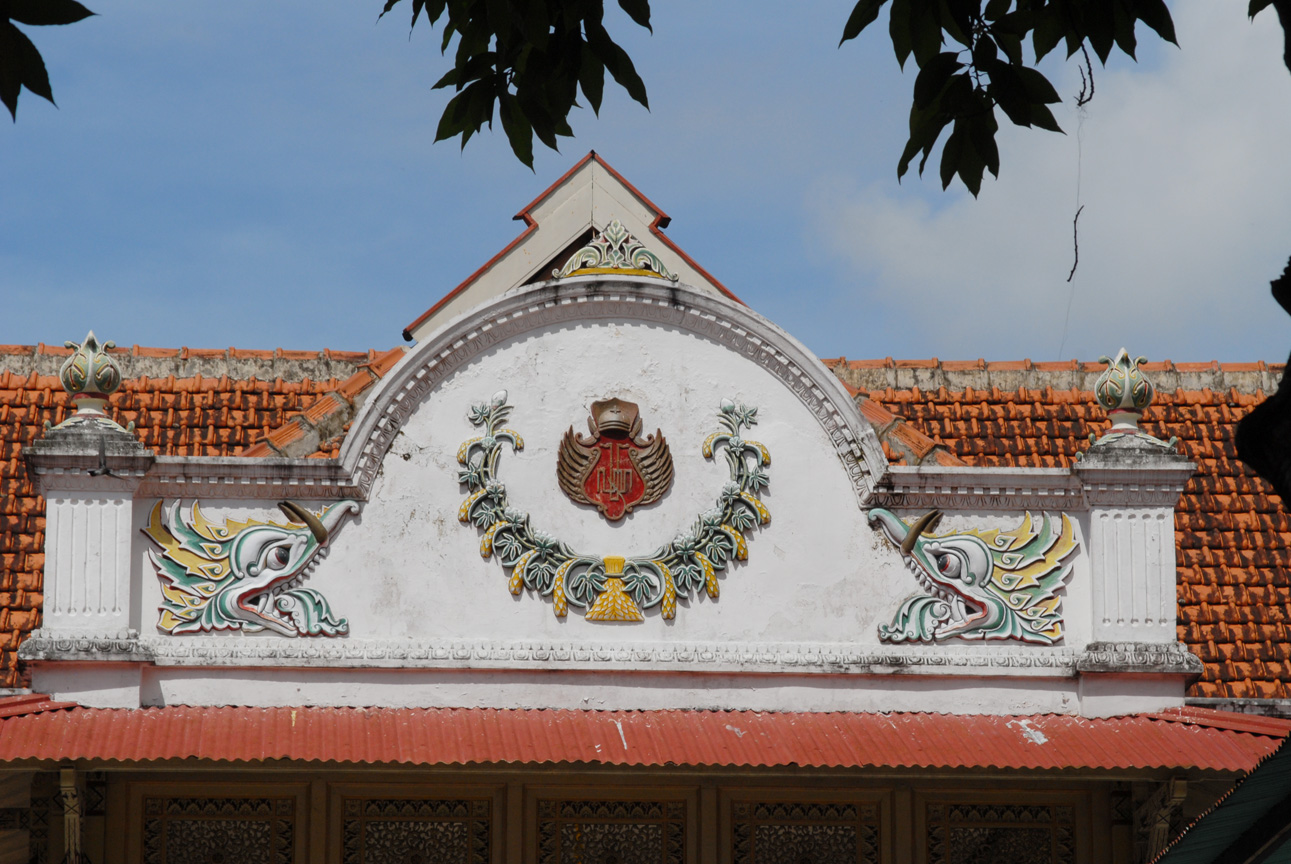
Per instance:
{"type": "Point", "coordinates": [614, 587]}
{"type": "Point", "coordinates": [614, 251]}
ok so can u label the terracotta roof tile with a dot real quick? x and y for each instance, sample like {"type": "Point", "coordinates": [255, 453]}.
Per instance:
{"type": "Point", "coordinates": [174, 416]}
{"type": "Point", "coordinates": [1232, 533]}
{"type": "Point", "coordinates": [303, 435]}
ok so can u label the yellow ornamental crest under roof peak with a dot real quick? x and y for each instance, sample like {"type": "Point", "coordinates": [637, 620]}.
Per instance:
{"type": "Point", "coordinates": [615, 251]}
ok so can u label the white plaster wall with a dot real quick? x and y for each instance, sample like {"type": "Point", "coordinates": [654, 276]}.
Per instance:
{"type": "Point", "coordinates": [423, 571]}
{"type": "Point", "coordinates": [600, 690]}
{"type": "Point", "coordinates": [1136, 574]}
{"type": "Point", "coordinates": [407, 569]}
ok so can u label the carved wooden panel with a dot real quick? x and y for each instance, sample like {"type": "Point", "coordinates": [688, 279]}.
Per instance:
{"type": "Point", "coordinates": [1000, 834]}
{"type": "Point", "coordinates": [804, 832]}
{"type": "Point", "coordinates": [417, 831]}
{"type": "Point", "coordinates": [219, 830]}
{"type": "Point", "coordinates": [45, 806]}
{"type": "Point", "coordinates": [611, 832]}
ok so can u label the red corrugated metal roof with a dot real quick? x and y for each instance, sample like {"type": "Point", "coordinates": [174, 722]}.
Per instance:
{"type": "Point", "coordinates": [459, 736]}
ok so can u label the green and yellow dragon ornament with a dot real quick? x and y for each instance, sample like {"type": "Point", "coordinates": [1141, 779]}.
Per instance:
{"type": "Point", "coordinates": [987, 584]}
{"type": "Point", "coordinates": [614, 587]}
{"type": "Point", "coordinates": [244, 575]}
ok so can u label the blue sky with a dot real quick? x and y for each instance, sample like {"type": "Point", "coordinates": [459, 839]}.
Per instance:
{"type": "Point", "coordinates": [262, 174]}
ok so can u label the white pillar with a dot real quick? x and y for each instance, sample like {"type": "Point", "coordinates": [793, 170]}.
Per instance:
{"type": "Point", "coordinates": [88, 478]}
{"type": "Point", "coordinates": [1132, 548]}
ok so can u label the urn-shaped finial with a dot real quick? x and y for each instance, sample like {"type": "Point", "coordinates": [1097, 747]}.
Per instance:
{"type": "Point", "coordinates": [90, 376]}
{"type": "Point", "coordinates": [1124, 391]}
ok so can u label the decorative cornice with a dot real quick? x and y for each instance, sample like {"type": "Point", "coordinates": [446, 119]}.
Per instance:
{"type": "Point", "coordinates": [592, 298]}
{"type": "Point", "coordinates": [968, 488]}
{"type": "Point", "coordinates": [87, 457]}
{"type": "Point", "coordinates": [704, 657]}
{"type": "Point", "coordinates": [239, 477]}
{"type": "Point", "coordinates": [1139, 657]}
{"type": "Point", "coordinates": [1092, 483]}
{"type": "Point", "coordinates": [1154, 482]}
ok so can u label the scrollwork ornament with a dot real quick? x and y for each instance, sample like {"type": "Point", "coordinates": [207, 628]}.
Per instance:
{"type": "Point", "coordinates": [613, 587]}
{"type": "Point", "coordinates": [615, 252]}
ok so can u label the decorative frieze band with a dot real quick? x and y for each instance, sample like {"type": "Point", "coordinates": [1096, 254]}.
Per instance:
{"type": "Point", "coordinates": [236, 477]}
{"type": "Point", "coordinates": [1150, 657]}
{"type": "Point", "coordinates": [954, 488]}
{"type": "Point", "coordinates": [749, 658]}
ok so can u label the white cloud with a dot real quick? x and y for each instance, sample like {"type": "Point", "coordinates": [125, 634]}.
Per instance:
{"type": "Point", "coordinates": [1186, 184]}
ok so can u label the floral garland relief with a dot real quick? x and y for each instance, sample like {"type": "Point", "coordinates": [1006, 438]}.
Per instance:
{"type": "Point", "coordinates": [614, 587]}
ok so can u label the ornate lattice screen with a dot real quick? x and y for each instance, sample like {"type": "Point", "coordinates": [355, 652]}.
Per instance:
{"type": "Point", "coordinates": [426, 831]}
{"type": "Point", "coordinates": [219, 830]}
{"type": "Point", "coordinates": [611, 832]}
{"type": "Point", "coordinates": [804, 833]}
{"type": "Point", "coordinates": [1000, 833]}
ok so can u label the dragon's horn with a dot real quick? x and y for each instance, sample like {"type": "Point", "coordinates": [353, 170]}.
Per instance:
{"type": "Point", "coordinates": [926, 522]}
{"type": "Point", "coordinates": [297, 513]}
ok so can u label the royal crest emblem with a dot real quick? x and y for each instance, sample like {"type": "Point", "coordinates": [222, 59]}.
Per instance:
{"type": "Point", "coordinates": [614, 470]}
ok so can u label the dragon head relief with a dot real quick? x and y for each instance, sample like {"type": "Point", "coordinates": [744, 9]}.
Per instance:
{"type": "Point", "coordinates": [981, 584]}
{"type": "Point", "coordinates": [244, 575]}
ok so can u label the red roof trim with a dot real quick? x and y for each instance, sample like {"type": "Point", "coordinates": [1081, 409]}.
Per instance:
{"type": "Point", "coordinates": [660, 222]}
{"type": "Point", "coordinates": [546, 193]}
{"type": "Point", "coordinates": [30, 703]}
{"type": "Point", "coordinates": [1234, 721]}
{"type": "Point", "coordinates": [461, 736]}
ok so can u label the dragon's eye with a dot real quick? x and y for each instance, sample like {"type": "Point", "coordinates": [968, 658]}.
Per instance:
{"type": "Point", "coordinates": [948, 565]}
{"type": "Point", "coordinates": [278, 557]}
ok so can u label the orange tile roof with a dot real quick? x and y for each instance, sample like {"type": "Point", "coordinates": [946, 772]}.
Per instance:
{"type": "Point", "coordinates": [201, 416]}
{"type": "Point", "coordinates": [464, 736]}
{"type": "Point", "coordinates": [1232, 534]}
{"type": "Point", "coordinates": [336, 404]}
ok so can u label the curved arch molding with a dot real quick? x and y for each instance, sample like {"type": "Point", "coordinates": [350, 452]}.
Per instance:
{"type": "Point", "coordinates": [598, 299]}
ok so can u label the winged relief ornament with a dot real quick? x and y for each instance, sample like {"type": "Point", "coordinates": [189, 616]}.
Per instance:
{"type": "Point", "coordinates": [615, 469]}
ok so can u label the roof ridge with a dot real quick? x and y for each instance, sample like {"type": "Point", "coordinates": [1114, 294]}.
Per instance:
{"type": "Point", "coordinates": [325, 417]}
{"type": "Point", "coordinates": [138, 361]}
{"type": "Point", "coordinates": [1012, 375]}
{"type": "Point", "coordinates": [903, 439]}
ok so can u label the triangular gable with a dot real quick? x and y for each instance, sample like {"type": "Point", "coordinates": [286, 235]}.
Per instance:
{"type": "Point", "coordinates": [558, 222]}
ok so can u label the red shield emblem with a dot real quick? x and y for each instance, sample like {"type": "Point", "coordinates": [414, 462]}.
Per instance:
{"type": "Point", "coordinates": [614, 470]}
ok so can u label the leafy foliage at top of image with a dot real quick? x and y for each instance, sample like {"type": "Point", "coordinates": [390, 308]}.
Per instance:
{"type": "Point", "coordinates": [20, 63]}
{"type": "Point", "coordinates": [972, 59]}
{"type": "Point", "coordinates": [529, 59]}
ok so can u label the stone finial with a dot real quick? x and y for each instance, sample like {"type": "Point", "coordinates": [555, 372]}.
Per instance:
{"type": "Point", "coordinates": [90, 376]}
{"type": "Point", "coordinates": [1125, 393]}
